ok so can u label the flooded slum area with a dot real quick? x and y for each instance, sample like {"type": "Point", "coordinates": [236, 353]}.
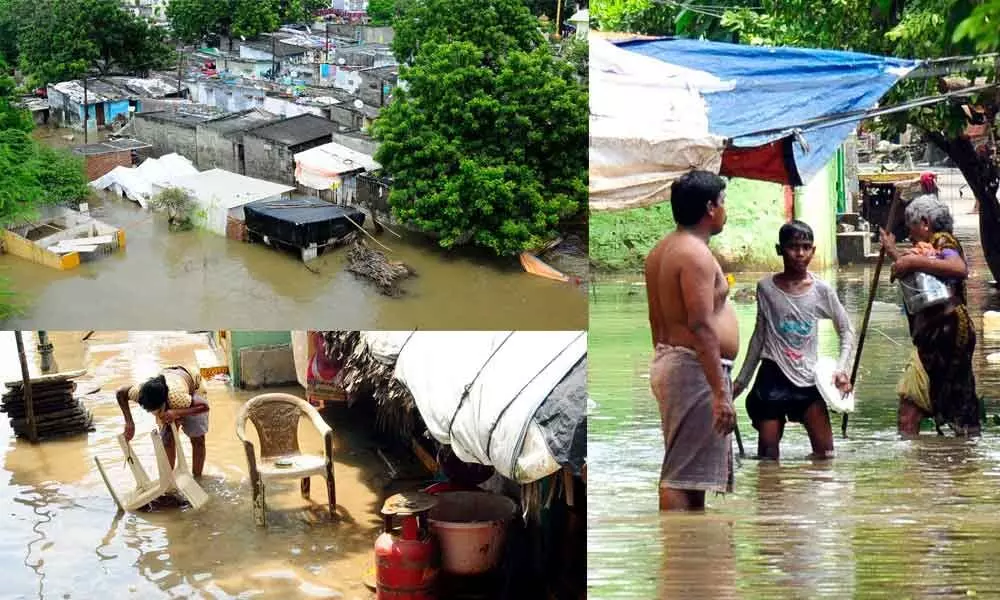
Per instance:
{"type": "Point", "coordinates": [63, 539]}
{"type": "Point", "coordinates": [887, 518]}
{"type": "Point", "coordinates": [196, 279]}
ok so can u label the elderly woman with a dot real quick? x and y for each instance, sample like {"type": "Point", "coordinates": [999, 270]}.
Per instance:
{"type": "Point", "coordinates": [944, 334]}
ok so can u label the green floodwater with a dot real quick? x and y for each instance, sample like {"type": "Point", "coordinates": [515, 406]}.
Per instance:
{"type": "Point", "coordinates": [887, 518]}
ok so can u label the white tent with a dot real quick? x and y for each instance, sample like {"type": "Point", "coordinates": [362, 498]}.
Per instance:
{"type": "Point", "coordinates": [138, 183]}
{"type": "Point", "coordinates": [323, 167]}
{"type": "Point", "coordinates": [648, 126]}
{"type": "Point", "coordinates": [479, 391]}
{"type": "Point", "coordinates": [221, 194]}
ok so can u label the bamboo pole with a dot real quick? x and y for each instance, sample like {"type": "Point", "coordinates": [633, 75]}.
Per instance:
{"type": "Point", "coordinates": [868, 309]}
{"type": "Point", "coordinates": [29, 406]}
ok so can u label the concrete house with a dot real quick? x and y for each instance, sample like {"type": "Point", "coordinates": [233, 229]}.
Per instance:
{"type": "Point", "coordinates": [269, 150]}
{"type": "Point", "coordinates": [170, 132]}
{"type": "Point", "coordinates": [106, 103]}
{"type": "Point", "coordinates": [220, 141]}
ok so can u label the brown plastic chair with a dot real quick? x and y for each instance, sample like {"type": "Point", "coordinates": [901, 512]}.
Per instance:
{"type": "Point", "coordinates": [276, 418]}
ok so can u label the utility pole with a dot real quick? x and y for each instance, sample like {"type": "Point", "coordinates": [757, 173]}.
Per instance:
{"type": "Point", "coordinates": [86, 111]}
{"type": "Point", "coordinates": [274, 57]}
{"type": "Point", "coordinates": [180, 61]}
{"type": "Point", "coordinates": [29, 405]}
{"type": "Point", "coordinates": [45, 351]}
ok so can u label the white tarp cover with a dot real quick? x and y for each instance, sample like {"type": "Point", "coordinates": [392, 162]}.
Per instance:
{"type": "Point", "coordinates": [217, 192]}
{"type": "Point", "coordinates": [648, 126]}
{"type": "Point", "coordinates": [137, 183]}
{"type": "Point", "coordinates": [322, 167]}
{"type": "Point", "coordinates": [509, 375]}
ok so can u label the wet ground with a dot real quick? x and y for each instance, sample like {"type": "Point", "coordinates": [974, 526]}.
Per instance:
{"type": "Point", "coordinates": [886, 519]}
{"type": "Point", "coordinates": [199, 280]}
{"type": "Point", "coordinates": [62, 538]}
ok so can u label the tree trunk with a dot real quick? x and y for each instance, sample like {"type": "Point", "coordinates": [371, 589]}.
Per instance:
{"type": "Point", "coordinates": [983, 177]}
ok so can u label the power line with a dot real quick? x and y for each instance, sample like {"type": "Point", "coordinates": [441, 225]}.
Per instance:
{"type": "Point", "coordinates": [858, 115]}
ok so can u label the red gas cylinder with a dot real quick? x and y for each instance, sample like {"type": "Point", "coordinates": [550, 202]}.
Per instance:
{"type": "Point", "coordinates": [407, 563]}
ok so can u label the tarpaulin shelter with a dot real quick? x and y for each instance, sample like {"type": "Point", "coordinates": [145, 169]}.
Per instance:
{"type": "Point", "coordinates": [661, 107]}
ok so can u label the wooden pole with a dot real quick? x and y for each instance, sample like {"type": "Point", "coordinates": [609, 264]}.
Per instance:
{"type": "Point", "coordinates": [559, 19]}
{"type": "Point", "coordinates": [29, 406]}
{"type": "Point", "coordinates": [868, 309]}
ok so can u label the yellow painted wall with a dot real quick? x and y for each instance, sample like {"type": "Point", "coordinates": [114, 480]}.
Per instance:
{"type": "Point", "coordinates": [19, 246]}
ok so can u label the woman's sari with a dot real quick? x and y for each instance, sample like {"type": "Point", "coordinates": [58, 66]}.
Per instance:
{"type": "Point", "coordinates": [945, 341]}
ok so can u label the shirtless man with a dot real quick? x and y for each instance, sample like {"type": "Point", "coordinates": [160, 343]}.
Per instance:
{"type": "Point", "coordinates": [696, 338]}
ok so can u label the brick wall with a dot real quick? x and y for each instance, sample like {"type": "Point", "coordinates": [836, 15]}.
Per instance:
{"type": "Point", "coordinates": [96, 166]}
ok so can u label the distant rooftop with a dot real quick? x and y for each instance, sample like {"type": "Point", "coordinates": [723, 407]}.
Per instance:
{"type": "Point", "coordinates": [241, 121]}
{"type": "Point", "coordinates": [186, 119]}
{"type": "Point", "coordinates": [296, 130]}
{"type": "Point", "coordinates": [110, 146]}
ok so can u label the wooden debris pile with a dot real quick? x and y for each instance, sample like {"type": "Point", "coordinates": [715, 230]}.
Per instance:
{"type": "Point", "coordinates": [373, 264]}
{"type": "Point", "coordinates": [57, 411]}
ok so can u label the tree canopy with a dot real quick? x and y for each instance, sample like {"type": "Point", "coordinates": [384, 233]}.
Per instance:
{"type": "Point", "coordinates": [486, 140]}
{"type": "Point", "coordinates": [55, 40]}
{"type": "Point", "coordinates": [497, 27]}
{"type": "Point", "coordinates": [192, 20]}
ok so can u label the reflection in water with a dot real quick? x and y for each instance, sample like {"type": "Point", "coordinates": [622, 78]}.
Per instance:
{"type": "Point", "coordinates": [887, 518]}
{"type": "Point", "coordinates": [62, 536]}
{"type": "Point", "coordinates": [699, 560]}
{"type": "Point", "coordinates": [196, 279]}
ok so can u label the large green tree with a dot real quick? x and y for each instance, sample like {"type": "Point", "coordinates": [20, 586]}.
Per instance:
{"type": "Point", "coordinates": [193, 20]}
{"type": "Point", "coordinates": [381, 12]}
{"type": "Point", "coordinates": [61, 39]}
{"type": "Point", "coordinates": [486, 145]}
{"type": "Point", "coordinates": [498, 26]}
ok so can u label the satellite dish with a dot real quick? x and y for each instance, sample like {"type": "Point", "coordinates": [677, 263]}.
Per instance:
{"type": "Point", "coordinates": [358, 104]}
{"type": "Point", "coordinates": [341, 61]}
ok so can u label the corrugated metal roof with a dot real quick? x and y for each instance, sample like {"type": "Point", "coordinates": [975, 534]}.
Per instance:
{"type": "Point", "coordinates": [110, 146]}
{"type": "Point", "coordinates": [296, 130]}
{"type": "Point", "coordinates": [97, 91]}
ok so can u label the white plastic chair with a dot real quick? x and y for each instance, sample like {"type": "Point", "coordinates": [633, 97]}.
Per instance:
{"type": "Point", "coordinates": [179, 479]}
{"type": "Point", "coordinates": [276, 418]}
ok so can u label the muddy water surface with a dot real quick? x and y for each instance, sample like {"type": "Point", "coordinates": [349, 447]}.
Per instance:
{"type": "Point", "coordinates": [200, 280]}
{"type": "Point", "coordinates": [886, 519]}
{"type": "Point", "coordinates": [63, 539]}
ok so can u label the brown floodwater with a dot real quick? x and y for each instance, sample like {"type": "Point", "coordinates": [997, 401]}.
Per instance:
{"type": "Point", "coordinates": [62, 537]}
{"type": "Point", "coordinates": [887, 518]}
{"type": "Point", "coordinates": [199, 280]}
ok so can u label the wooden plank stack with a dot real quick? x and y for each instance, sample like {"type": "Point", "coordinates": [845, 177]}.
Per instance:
{"type": "Point", "coordinates": [57, 411]}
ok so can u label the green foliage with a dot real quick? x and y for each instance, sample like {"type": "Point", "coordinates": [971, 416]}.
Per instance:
{"type": "Point", "coordinates": [381, 12]}
{"type": "Point", "coordinates": [577, 53]}
{"type": "Point", "coordinates": [981, 27]}
{"type": "Point", "coordinates": [497, 27]}
{"type": "Point", "coordinates": [35, 175]}
{"type": "Point", "coordinates": [58, 40]}
{"type": "Point", "coordinates": [179, 207]}
{"type": "Point", "coordinates": [547, 8]}
{"type": "Point", "coordinates": [654, 17]}
{"type": "Point", "coordinates": [253, 17]}
{"type": "Point", "coordinates": [192, 20]}
{"type": "Point", "coordinates": [491, 153]}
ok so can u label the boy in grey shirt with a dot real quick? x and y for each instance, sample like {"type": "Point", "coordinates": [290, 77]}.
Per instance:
{"type": "Point", "coordinates": [785, 343]}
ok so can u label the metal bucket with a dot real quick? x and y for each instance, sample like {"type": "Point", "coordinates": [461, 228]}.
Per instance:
{"type": "Point", "coordinates": [922, 291]}
{"type": "Point", "coordinates": [472, 529]}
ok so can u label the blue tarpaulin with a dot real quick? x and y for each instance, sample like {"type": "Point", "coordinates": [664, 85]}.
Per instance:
{"type": "Point", "coordinates": [777, 89]}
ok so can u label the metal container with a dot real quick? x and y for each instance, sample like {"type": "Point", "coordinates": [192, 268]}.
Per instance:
{"type": "Point", "coordinates": [922, 291]}
{"type": "Point", "coordinates": [406, 563]}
